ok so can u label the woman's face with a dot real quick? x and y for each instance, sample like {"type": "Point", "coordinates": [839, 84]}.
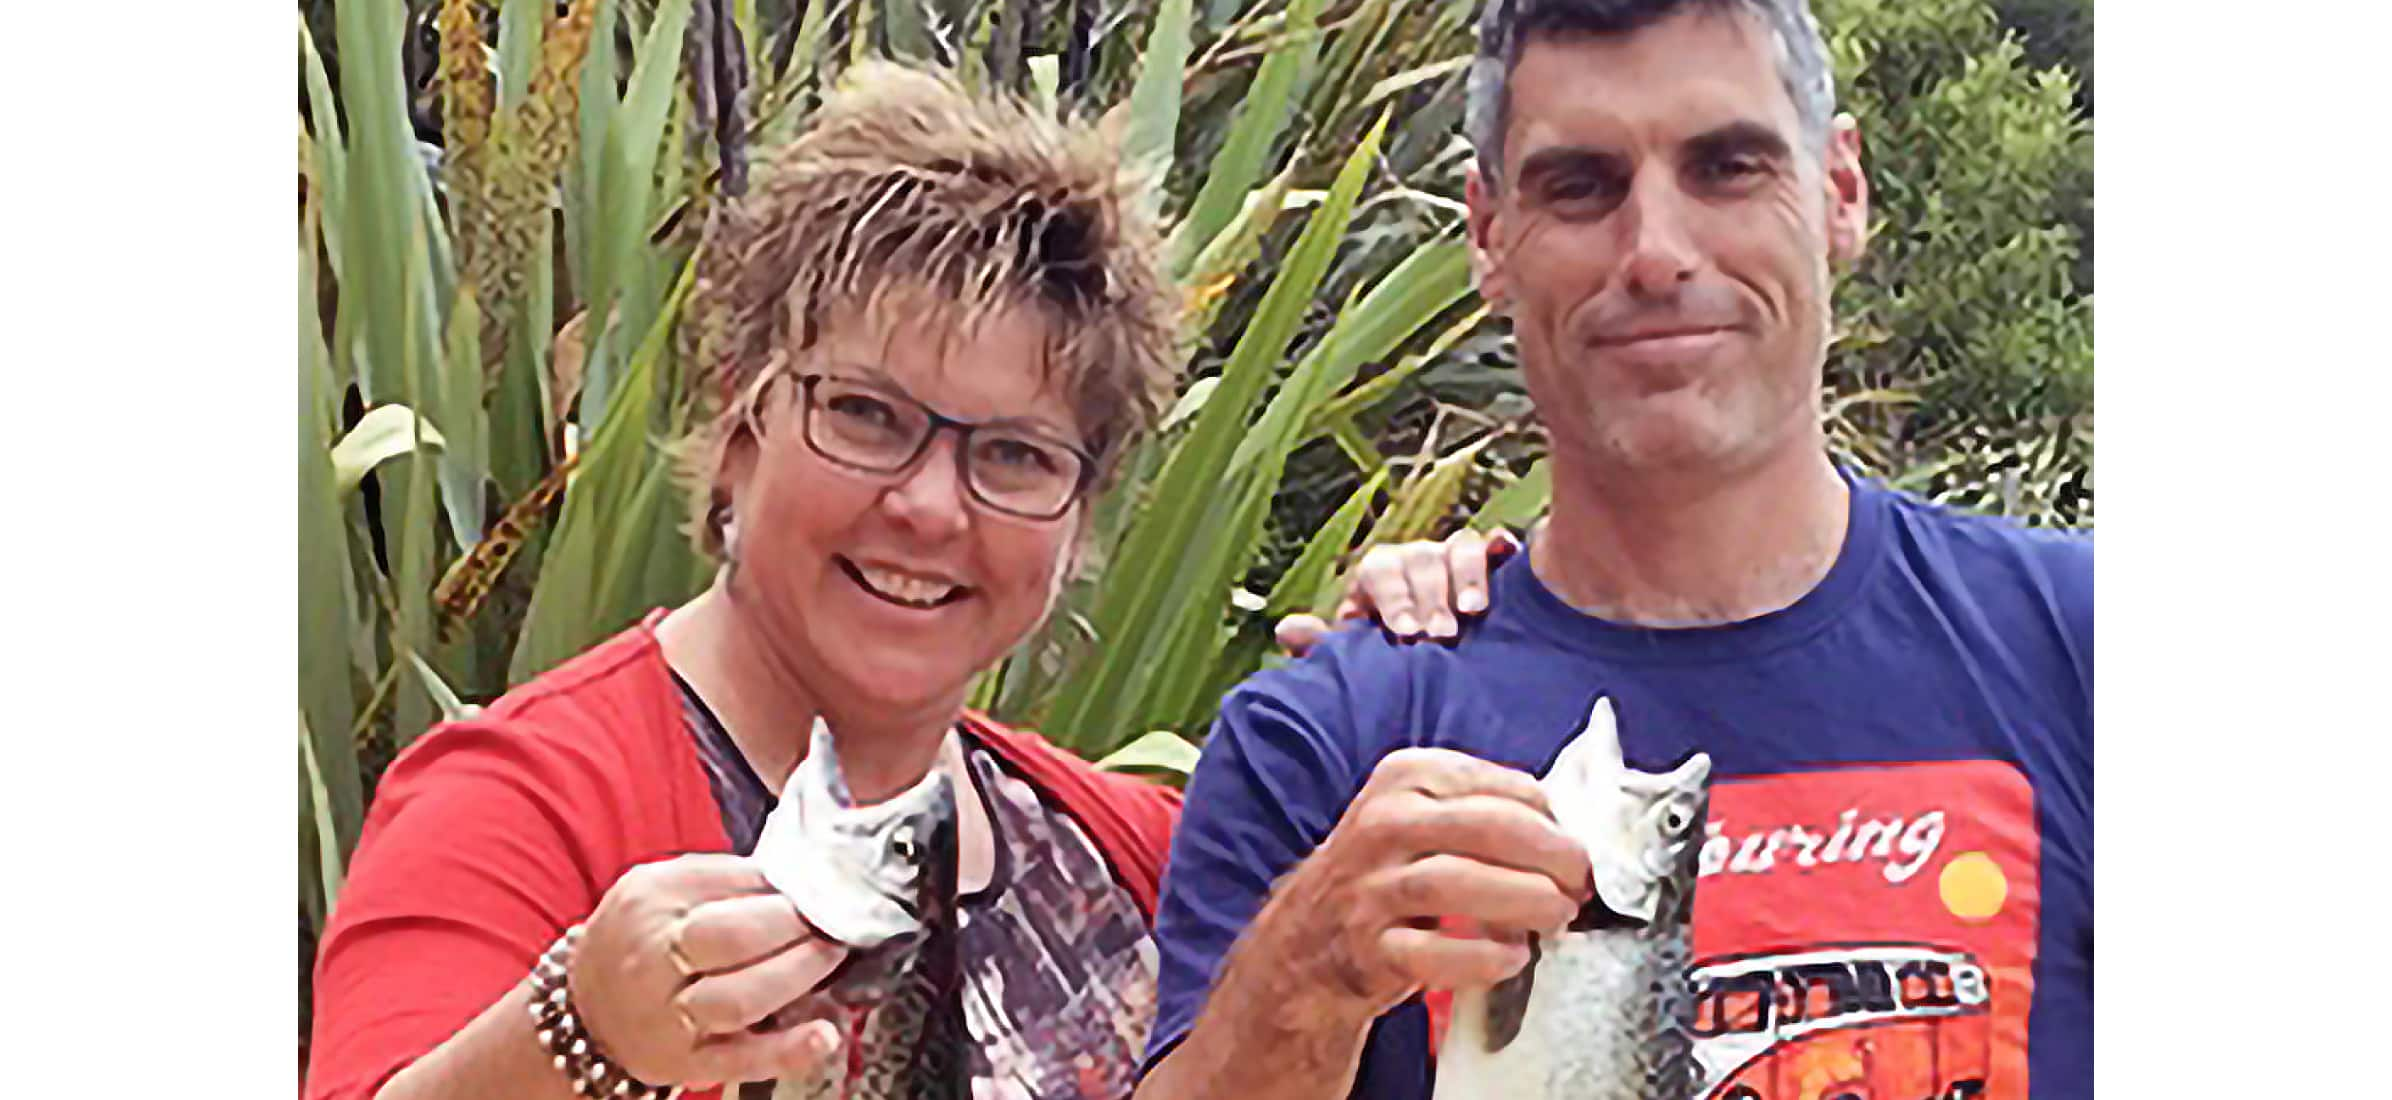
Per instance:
{"type": "Point", "coordinates": [887, 592]}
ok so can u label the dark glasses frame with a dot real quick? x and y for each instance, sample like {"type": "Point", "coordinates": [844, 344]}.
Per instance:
{"type": "Point", "coordinates": [965, 431]}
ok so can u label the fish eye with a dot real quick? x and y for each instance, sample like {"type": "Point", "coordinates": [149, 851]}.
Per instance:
{"type": "Point", "coordinates": [902, 844]}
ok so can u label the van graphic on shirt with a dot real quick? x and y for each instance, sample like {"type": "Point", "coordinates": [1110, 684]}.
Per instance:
{"type": "Point", "coordinates": [1867, 933]}
{"type": "Point", "coordinates": [1864, 1020]}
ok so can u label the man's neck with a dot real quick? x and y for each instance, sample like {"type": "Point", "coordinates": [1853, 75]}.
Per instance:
{"type": "Point", "coordinates": [1690, 550]}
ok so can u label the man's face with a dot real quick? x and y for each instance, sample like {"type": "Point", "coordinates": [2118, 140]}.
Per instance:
{"type": "Point", "coordinates": [1660, 238]}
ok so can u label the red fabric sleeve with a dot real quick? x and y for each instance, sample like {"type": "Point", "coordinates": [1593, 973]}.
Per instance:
{"type": "Point", "coordinates": [484, 842]}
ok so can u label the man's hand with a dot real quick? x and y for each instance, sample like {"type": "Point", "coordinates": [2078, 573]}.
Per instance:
{"type": "Point", "coordinates": [1418, 589]}
{"type": "Point", "coordinates": [1434, 835]}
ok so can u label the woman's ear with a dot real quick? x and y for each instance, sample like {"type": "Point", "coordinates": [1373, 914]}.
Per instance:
{"type": "Point", "coordinates": [730, 534]}
{"type": "Point", "coordinates": [742, 448]}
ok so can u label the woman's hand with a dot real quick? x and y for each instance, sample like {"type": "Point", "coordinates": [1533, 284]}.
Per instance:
{"type": "Point", "coordinates": [685, 957]}
{"type": "Point", "coordinates": [1415, 588]}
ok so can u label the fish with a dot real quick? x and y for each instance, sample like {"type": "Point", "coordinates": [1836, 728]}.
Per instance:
{"type": "Point", "coordinates": [881, 880]}
{"type": "Point", "coordinates": [1605, 1009]}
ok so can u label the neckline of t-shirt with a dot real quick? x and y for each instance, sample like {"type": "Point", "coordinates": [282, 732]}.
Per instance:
{"type": "Point", "coordinates": [1000, 870]}
{"type": "Point", "coordinates": [1547, 614]}
{"type": "Point", "coordinates": [714, 731]}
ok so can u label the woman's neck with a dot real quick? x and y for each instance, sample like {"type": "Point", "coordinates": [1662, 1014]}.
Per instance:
{"type": "Point", "coordinates": [768, 712]}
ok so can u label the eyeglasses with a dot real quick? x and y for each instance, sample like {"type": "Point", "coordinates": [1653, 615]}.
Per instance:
{"type": "Point", "coordinates": [1005, 466]}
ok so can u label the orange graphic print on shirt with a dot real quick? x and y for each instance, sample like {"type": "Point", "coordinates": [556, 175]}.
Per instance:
{"type": "Point", "coordinates": [1867, 934]}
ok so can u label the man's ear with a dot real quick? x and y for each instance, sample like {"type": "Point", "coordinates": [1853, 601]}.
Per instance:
{"type": "Point", "coordinates": [1847, 186]}
{"type": "Point", "coordinates": [1485, 241]}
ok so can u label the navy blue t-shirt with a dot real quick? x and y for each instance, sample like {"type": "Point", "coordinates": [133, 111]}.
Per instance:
{"type": "Point", "coordinates": [1896, 893]}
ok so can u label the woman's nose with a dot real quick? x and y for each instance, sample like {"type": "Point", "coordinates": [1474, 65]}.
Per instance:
{"type": "Point", "coordinates": [928, 497]}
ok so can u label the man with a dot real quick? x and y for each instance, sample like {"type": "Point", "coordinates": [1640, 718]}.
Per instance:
{"type": "Point", "coordinates": [1897, 699]}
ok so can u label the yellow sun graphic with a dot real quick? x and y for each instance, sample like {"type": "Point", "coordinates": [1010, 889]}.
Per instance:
{"type": "Point", "coordinates": [1973, 886]}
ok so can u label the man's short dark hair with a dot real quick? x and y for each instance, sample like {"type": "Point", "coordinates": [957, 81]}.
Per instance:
{"type": "Point", "coordinates": [1505, 27]}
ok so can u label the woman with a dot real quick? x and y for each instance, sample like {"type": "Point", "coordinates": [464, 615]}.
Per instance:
{"type": "Point", "coordinates": [929, 336]}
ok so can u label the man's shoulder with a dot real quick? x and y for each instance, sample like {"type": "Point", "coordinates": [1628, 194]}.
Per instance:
{"type": "Point", "coordinates": [1357, 665]}
{"type": "Point", "coordinates": [1361, 693]}
{"type": "Point", "coordinates": [2057, 561]}
{"type": "Point", "coordinates": [2029, 589]}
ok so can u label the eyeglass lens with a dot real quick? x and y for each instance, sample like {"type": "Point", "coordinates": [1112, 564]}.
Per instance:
{"type": "Point", "coordinates": [1008, 469]}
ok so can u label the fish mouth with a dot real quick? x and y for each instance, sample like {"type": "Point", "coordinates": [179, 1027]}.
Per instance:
{"type": "Point", "coordinates": [1595, 916]}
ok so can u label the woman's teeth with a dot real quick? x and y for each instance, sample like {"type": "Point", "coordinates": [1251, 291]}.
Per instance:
{"type": "Point", "coordinates": [906, 588]}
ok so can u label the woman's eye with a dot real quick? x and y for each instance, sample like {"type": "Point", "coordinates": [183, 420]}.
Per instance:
{"type": "Point", "coordinates": [1017, 453]}
{"type": "Point", "coordinates": [863, 409]}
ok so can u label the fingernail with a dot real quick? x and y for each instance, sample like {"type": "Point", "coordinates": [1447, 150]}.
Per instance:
{"type": "Point", "coordinates": [1472, 601]}
{"type": "Point", "coordinates": [1442, 625]}
{"type": "Point", "coordinates": [1403, 625]}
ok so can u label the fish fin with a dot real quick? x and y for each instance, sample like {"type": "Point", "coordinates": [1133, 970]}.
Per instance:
{"type": "Point", "coordinates": [1593, 756]}
{"type": "Point", "coordinates": [1694, 771]}
{"type": "Point", "coordinates": [1507, 1001]}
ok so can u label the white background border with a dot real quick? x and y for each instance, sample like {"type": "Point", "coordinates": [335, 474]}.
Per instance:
{"type": "Point", "coordinates": [147, 794]}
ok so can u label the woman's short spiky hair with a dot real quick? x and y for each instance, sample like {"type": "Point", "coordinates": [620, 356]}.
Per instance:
{"type": "Point", "coordinates": [906, 183]}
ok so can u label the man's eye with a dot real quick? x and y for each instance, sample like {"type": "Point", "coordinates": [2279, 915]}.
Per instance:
{"type": "Point", "coordinates": [1577, 188]}
{"type": "Point", "coordinates": [1733, 169]}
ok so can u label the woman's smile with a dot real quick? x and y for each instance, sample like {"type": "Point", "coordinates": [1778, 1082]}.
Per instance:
{"type": "Point", "coordinates": [915, 589]}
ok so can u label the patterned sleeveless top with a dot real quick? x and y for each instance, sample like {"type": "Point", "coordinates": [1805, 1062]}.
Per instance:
{"type": "Point", "coordinates": [1059, 967]}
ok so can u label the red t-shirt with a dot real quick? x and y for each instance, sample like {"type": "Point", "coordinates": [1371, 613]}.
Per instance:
{"type": "Point", "coordinates": [487, 838]}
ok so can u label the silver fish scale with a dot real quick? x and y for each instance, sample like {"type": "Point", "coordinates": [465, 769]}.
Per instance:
{"type": "Point", "coordinates": [893, 1042]}
{"type": "Point", "coordinates": [1604, 1011]}
{"type": "Point", "coordinates": [915, 1042]}
{"type": "Point", "coordinates": [912, 1051]}
{"type": "Point", "coordinates": [1629, 1003]}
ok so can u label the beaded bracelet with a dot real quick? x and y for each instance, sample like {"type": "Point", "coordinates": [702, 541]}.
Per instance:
{"type": "Point", "coordinates": [568, 1042]}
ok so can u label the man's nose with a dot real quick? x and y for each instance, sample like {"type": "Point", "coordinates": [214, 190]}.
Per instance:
{"type": "Point", "coordinates": [928, 497]}
{"type": "Point", "coordinates": [1659, 252]}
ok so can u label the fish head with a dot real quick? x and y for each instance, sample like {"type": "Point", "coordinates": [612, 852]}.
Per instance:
{"type": "Point", "coordinates": [862, 875]}
{"type": "Point", "coordinates": [924, 853]}
{"type": "Point", "coordinates": [1672, 808]}
{"type": "Point", "coordinates": [1641, 830]}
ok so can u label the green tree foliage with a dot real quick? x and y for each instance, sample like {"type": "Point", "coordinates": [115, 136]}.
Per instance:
{"type": "Point", "coordinates": [1964, 367]}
